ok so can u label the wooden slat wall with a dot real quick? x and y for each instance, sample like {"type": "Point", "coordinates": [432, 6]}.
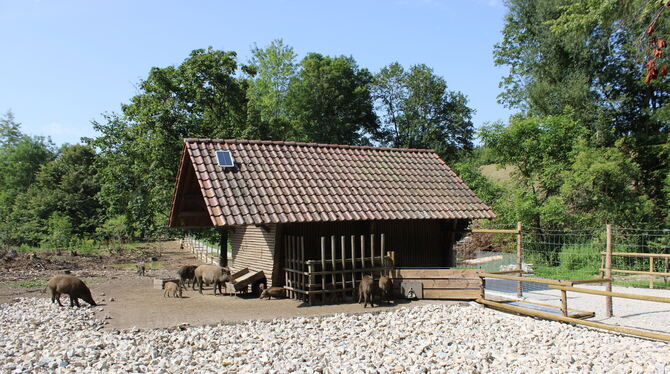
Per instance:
{"type": "Point", "coordinates": [254, 248]}
{"type": "Point", "coordinates": [443, 283]}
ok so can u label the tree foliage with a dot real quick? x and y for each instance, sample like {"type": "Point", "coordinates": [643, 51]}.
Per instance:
{"type": "Point", "coordinates": [584, 59]}
{"type": "Point", "coordinates": [419, 112]}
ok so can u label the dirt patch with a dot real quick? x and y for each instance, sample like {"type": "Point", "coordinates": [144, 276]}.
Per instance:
{"type": "Point", "coordinates": [136, 303]}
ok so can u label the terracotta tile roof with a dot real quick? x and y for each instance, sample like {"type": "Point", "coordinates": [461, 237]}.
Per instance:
{"type": "Point", "coordinates": [281, 182]}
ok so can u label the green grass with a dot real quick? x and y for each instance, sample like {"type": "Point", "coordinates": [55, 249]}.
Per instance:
{"type": "Point", "coordinates": [658, 283]}
{"type": "Point", "coordinates": [32, 284]}
{"type": "Point", "coordinates": [557, 272]}
{"type": "Point", "coordinates": [87, 247]}
{"type": "Point", "coordinates": [147, 265]}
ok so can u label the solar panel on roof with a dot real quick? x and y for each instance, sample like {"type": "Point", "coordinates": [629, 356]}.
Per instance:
{"type": "Point", "coordinates": [225, 159]}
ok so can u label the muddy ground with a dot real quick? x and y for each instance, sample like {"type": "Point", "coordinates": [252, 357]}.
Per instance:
{"type": "Point", "coordinates": [128, 300]}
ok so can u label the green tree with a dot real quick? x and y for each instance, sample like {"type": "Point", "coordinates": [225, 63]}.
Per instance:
{"type": "Point", "coordinates": [419, 112]}
{"type": "Point", "coordinates": [329, 101]}
{"type": "Point", "coordinates": [585, 57]}
{"type": "Point", "coordinates": [10, 130]}
{"type": "Point", "coordinates": [272, 69]}
{"type": "Point", "coordinates": [139, 148]}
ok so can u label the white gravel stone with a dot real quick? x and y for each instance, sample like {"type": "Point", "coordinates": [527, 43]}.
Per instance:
{"type": "Point", "coordinates": [432, 338]}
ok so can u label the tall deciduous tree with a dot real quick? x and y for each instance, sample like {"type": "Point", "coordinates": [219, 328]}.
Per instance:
{"type": "Point", "coordinates": [419, 112]}
{"type": "Point", "coordinates": [329, 101]}
{"type": "Point", "coordinates": [139, 150]}
{"type": "Point", "coordinates": [273, 68]}
{"type": "Point", "coordinates": [586, 57]}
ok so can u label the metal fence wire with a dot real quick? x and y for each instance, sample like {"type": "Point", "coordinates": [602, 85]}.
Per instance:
{"type": "Point", "coordinates": [569, 255]}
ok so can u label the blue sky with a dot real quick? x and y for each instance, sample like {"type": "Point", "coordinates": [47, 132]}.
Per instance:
{"type": "Point", "coordinates": [66, 62]}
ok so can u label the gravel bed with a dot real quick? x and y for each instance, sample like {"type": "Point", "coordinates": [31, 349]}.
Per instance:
{"type": "Point", "coordinates": [36, 336]}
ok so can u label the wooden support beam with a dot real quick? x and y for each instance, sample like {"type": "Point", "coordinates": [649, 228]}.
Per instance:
{"type": "Point", "coordinates": [612, 294]}
{"type": "Point", "coordinates": [595, 280]}
{"type": "Point", "coordinates": [553, 317]}
{"type": "Point", "coordinates": [530, 280]}
{"type": "Point", "coordinates": [661, 274]}
{"type": "Point", "coordinates": [496, 231]}
{"type": "Point", "coordinates": [631, 254]}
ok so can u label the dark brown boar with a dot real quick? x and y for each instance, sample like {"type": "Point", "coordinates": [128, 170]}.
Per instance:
{"type": "Point", "coordinates": [72, 286]}
{"type": "Point", "coordinates": [385, 289]}
{"type": "Point", "coordinates": [269, 293]}
{"type": "Point", "coordinates": [366, 290]}
{"type": "Point", "coordinates": [186, 274]}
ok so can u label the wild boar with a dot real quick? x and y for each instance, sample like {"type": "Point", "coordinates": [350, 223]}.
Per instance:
{"type": "Point", "coordinates": [385, 289]}
{"type": "Point", "coordinates": [269, 293]}
{"type": "Point", "coordinates": [366, 290]}
{"type": "Point", "coordinates": [186, 274]}
{"type": "Point", "coordinates": [212, 274]}
{"type": "Point", "coordinates": [141, 268]}
{"type": "Point", "coordinates": [172, 289]}
{"type": "Point", "coordinates": [70, 285]}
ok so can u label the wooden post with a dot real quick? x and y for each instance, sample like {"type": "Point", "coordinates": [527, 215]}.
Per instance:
{"type": "Point", "coordinates": [344, 265]}
{"type": "Point", "coordinates": [323, 268]}
{"type": "Point", "coordinates": [310, 271]}
{"type": "Point", "coordinates": [372, 250]}
{"type": "Point", "coordinates": [482, 289]}
{"type": "Point", "coordinates": [519, 258]}
{"type": "Point", "coordinates": [651, 270]}
{"type": "Point", "coordinates": [362, 254]}
{"type": "Point", "coordinates": [353, 267]}
{"type": "Point", "coordinates": [332, 259]}
{"type": "Point", "coordinates": [301, 266]}
{"type": "Point", "coordinates": [287, 262]}
{"type": "Point", "coordinates": [293, 243]}
{"type": "Point", "coordinates": [608, 271]}
{"type": "Point", "coordinates": [382, 244]}
{"type": "Point", "coordinates": [564, 303]}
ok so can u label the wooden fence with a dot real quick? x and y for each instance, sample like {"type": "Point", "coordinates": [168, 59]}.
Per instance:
{"type": "Point", "coordinates": [342, 264]}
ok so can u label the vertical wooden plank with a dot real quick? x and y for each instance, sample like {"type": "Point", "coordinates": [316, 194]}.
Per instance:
{"type": "Point", "coordinates": [353, 266]}
{"type": "Point", "coordinates": [383, 253]}
{"type": "Point", "coordinates": [651, 270]}
{"type": "Point", "coordinates": [482, 289]}
{"type": "Point", "coordinates": [301, 266]}
{"type": "Point", "coordinates": [362, 254]}
{"type": "Point", "coordinates": [564, 303]}
{"type": "Point", "coordinates": [323, 268]}
{"type": "Point", "coordinates": [519, 258]}
{"type": "Point", "coordinates": [287, 265]}
{"type": "Point", "coordinates": [608, 271]}
{"type": "Point", "coordinates": [372, 250]}
{"type": "Point", "coordinates": [332, 260]}
{"type": "Point", "coordinates": [310, 271]}
{"type": "Point", "coordinates": [344, 264]}
{"type": "Point", "coordinates": [293, 262]}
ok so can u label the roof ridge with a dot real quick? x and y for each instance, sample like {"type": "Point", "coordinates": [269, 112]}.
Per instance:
{"type": "Point", "coordinates": [305, 144]}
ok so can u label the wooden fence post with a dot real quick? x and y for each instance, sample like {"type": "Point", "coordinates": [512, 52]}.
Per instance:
{"type": "Point", "coordinates": [608, 272]}
{"type": "Point", "coordinates": [323, 268]}
{"type": "Point", "coordinates": [519, 258]}
{"type": "Point", "coordinates": [564, 303]}
{"type": "Point", "coordinates": [651, 270]}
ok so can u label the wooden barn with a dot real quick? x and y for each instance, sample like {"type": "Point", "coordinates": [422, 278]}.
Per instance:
{"type": "Point", "coordinates": [315, 217]}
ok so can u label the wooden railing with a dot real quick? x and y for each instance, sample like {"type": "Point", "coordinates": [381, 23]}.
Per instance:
{"type": "Point", "coordinates": [568, 285]}
{"type": "Point", "coordinates": [651, 256]}
{"type": "Point", "coordinates": [343, 263]}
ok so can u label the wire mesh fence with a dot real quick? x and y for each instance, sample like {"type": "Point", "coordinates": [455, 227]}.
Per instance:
{"type": "Point", "coordinates": [573, 254]}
